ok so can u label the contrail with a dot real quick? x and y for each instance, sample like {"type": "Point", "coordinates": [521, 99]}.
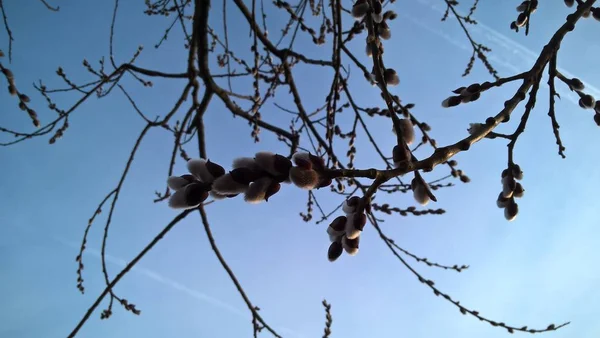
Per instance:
{"type": "Point", "coordinates": [158, 278]}
{"type": "Point", "coordinates": [173, 284]}
{"type": "Point", "coordinates": [506, 52]}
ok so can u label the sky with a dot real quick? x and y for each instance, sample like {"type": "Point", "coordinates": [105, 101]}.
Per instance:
{"type": "Point", "coordinates": [537, 270]}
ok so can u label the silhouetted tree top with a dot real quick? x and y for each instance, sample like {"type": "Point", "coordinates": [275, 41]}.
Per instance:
{"type": "Point", "coordinates": [320, 139]}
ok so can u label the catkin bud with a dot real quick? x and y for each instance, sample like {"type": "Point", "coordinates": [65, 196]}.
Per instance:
{"type": "Point", "coordinates": [569, 3]}
{"type": "Point", "coordinates": [190, 197]}
{"type": "Point", "coordinates": [407, 129]}
{"type": "Point", "coordinates": [24, 98]}
{"type": "Point", "coordinates": [596, 13]}
{"type": "Point", "coordinates": [368, 50]}
{"type": "Point", "coordinates": [384, 30]}
{"type": "Point", "coordinates": [266, 160]}
{"type": "Point", "coordinates": [335, 251]}
{"type": "Point", "coordinates": [502, 201]}
{"type": "Point", "coordinates": [245, 175]}
{"type": "Point", "coordinates": [350, 230]}
{"type": "Point", "coordinates": [521, 20]}
{"type": "Point", "coordinates": [508, 186]}
{"type": "Point", "coordinates": [272, 189]}
{"type": "Point", "coordinates": [576, 84]}
{"type": "Point", "coordinates": [474, 128]}
{"type": "Point", "coordinates": [377, 14]}
{"type": "Point", "coordinates": [516, 172]}
{"type": "Point", "coordinates": [519, 191]}
{"type": "Point", "coordinates": [511, 210]}
{"type": "Point", "coordinates": [451, 101]}
{"type": "Point", "coordinates": [350, 245]}
{"type": "Point", "coordinates": [391, 77]}
{"type": "Point", "coordinates": [390, 15]}
{"type": "Point", "coordinates": [197, 167]}
{"type": "Point", "coordinates": [360, 8]}
{"type": "Point", "coordinates": [420, 192]}
{"type": "Point", "coordinates": [399, 155]}
{"type": "Point", "coordinates": [179, 182]}
{"type": "Point", "coordinates": [245, 162]}
{"type": "Point", "coordinates": [587, 102]}
{"type": "Point", "coordinates": [214, 170]}
{"type": "Point", "coordinates": [226, 185]}
{"type": "Point", "coordinates": [282, 165]}
{"type": "Point", "coordinates": [337, 228]}
{"type": "Point", "coordinates": [304, 178]}
{"type": "Point", "coordinates": [302, 160]}
{"type": "Point", "coordinates": [195, 194]}
{"type": "Point", "coordinates": [257, 191]}
{"type": "Point", "coordinates": [350, 205]}
{"type": "Point", "coordinates": [12, 89]}
{"type": "Point", "coordinates": [523, 6]}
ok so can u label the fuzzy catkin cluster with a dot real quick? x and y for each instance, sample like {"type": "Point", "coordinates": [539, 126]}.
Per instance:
{"type": "Point", "coordinates": [257, 178]}
{"type": "Point", "coordinates": [344, 232]}
{"type": "Point", "coordinates": [12, 90]}
{"type": "Point", "coordinates": [360, 10]}
{"type": "Point", "coordinates": [525, 9]}
{"type": "Point", "coordinates": [586, 101]}
{"type": "Point", "coordinates": [511, 189]}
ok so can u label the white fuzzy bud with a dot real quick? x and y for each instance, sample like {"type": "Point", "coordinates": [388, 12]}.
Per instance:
{"type": "Point", "coordinates": [178, 200]}
{"type": "Point", "coordinates": [257, 191]}
{"type": "Point", "coordinates": [304, 178]}
{"type": "Point", "coordinates": [511, 211]}
{"type": "Point", "coordinates": [226, 185]}
{"type": "Point", "coordinates": [180, 182]}
{"type": "Point", "coordinates": [266, 160]}
{"type": "Point", "coordinates": [197, 167]}
{"type": "Point", "coordinates": [359, 9]}
{"type": "Point", "coordinates": [350, 205]}
{"type": "Point", "coordinates": [508, 186]}
{"type": "Point", "coordinates": [502, 201]}
{"type": "Point", "coordinates": [355, 223]}
{"type": "Point", "coordinates": [474, 128]}
{"type": "Point", "coordinates": [408, 131]}
{"type": "Point", "coordinates": [245, 162]}
{"type": "Point", "coordinates": [420, 192]}
{"type": "Point", "coordinates": [350, 245]}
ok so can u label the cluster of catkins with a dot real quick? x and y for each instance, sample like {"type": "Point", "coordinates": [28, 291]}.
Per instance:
{"type": "Point", "coordinates": [344, 232]}
{"type": "Point", "coordinates": [594, 11]}
{"type": "Point", "coordinates": [382, 31]}
{"type": "Point", "coordinates": [511, 189]}
{"type": "Point", "coordinates": [466, 94]}
{"type": "Point", "coordinates": [586, 101]}
{"type": "Point", "coordinates": [257, 178]}
{"type": "Point", "coordinates": [12, 90]}
{"type": "Point", "coordinates": [525, 9]}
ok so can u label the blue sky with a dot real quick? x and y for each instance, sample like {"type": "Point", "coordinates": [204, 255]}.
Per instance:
{"type": "Point", "coordinates": [534, 271]}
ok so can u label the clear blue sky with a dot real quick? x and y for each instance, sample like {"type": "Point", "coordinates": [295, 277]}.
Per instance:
{"type": "Point", "coordinates": [536, 270]}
